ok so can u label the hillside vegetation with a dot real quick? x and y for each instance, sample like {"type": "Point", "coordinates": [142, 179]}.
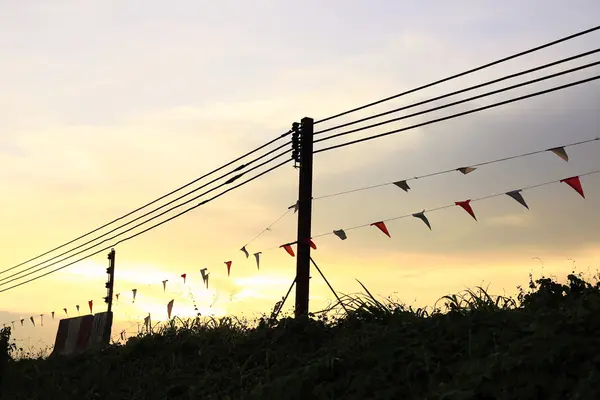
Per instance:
{"type": "Point", "coordinates": [542, 345]}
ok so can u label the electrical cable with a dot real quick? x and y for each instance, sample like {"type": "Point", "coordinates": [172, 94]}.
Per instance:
{"type": "Point", "coordinates": [460, 114]}
{"type": "Point", "coordinates": [136, 234]}
{"type": "Point", "coordinates": [449, 78]}
{"type": "Point", "coordinates": [162, 197]}
{"type": "Point", "coordinates": [493, 92]}
{"type": "Point", "coordinates": [455, 169]}
{"type": "Point", "coordinates": [2, 281]}
{"type": "Point", "coordinates": [420, 103]}
{"type": "Point", "coordinates": [156, 209]}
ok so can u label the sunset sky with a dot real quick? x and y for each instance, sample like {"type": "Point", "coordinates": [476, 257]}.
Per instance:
{"type": "Point", "coordinates": [107, 105]}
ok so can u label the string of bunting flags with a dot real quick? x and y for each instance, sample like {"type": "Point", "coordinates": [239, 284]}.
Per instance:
{"type": "Point", "coordinates": [560, 151]}
{"type": "Point", "coordinates": [574, 182]}
{"type": "Point", "coordinates": [134, 292]}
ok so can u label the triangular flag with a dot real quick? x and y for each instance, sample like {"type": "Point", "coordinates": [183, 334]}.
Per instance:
{"type": "Point", "coordinates": [312, 244]}
{"type": "Point", "coordinates": [516, 194]}
{"type": "Point", "coordinates": [122, 335]}
{"type": "Point", "coordinates": [170, 308]}
{"type": "Point", "coordinates": [77, 307]}
{"type": "Point", "coordinates": [117, 296]}
{"type": "Point", "coordinates": [382, 227]}
{"type": "Point", "coordinates": [203, 272]}
{"type": "Point", "coordinates": [561, 152]}
{"type": "Point", "coordinates": [165, 285]}
{"type": "Point", "coordinates": [134, 291]}
{"type": "Point", "coordinates": [341, 234]}
{"type": "Point", "coordinates": [22, 321]}
{"type": "Point", "coordinates": [295, 206]}
{"type": "Point", "coordinates": [32, 320]}
{"type": "Point", "coordinates": [228, 263]}
{"type": "Point", "coordinates": [288, 248]}
{"type": "Point", "coordinates": [402, 185]}
{"type": "Point", "coordinates": [147, 322]}
{"type": "Point", "coordinates": [243, 250]}
{"type": "Point", "coordinates": [422, 217]}
{"type": "Point", "coordinates": [91, 304]}
{"type": "Point", "coordinates": [467, 207]}
{"type": "Point", "coordinates": [66, 312]}
{"type": "Point", "coordinates": [257, 256]}
{"type": "Point", "coordinates": [575, 183]}
{"type": "Point", "coordinates": [184, 276]}
{"type": "Point", "coordinates": [42, 319]}
{"type": "Point", "coordinates": [207, 275]}
{"type": "Point", "coordinates": [52, 314]}
{"type": "Point", "coordinates": [466, 170]}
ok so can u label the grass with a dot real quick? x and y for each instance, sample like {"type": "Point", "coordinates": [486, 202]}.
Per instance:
{"type": "Point", "coordinates": [471, 345]}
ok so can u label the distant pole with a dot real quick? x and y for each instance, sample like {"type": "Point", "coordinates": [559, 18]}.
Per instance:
{"type": "Point", "coordinates": [304, 217]}
{"type": "Point", "coordinates": [111, 280]}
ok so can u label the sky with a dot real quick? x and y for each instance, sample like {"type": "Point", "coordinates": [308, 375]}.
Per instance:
{"type": "Point", "coordinates": [107, 105]}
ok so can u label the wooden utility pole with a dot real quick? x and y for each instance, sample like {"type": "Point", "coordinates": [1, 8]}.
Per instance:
{"type": "Point", "coordinates": [304, 216]}
{"type": "Point", "coordinates": [111, 280]}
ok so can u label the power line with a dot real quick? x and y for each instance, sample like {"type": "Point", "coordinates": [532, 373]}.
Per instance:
{"type": "Point", "coordinates": [164, 196]}
{"type": "Point", "coordinates": [453, 205]}
{"type": "Point", "coordinates": [556, 88]}
{"type": "Point", "coordinates": [532, 50]}
{"type": "Point", "coordinates": [231, 180]}
{"type": "Point", "coordinates": [135, 235]}
{"type": "Point", "coordinates": [2, 283]}
{"type": "Point", "coordinates": [493, 92]}
{"type": "Point", "coordinates": [420, 103]}
{"type": "Point", "coordinates": [455, 169]}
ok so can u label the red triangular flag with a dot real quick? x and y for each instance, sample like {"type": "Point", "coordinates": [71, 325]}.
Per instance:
{"type": "Point", "coordinates": [382, 227]}
{"type": "Point", "coordinates": [288, 248]}
{"type": "Point", "coordinates": [117, 296]}
{"type": "Point", "coordinates": [170, 308]}
{"type": "Point", "coordinates": [467, 207]}
{"type": "Point", "coordinates": [312, 244]}
{"type": "Point", "coordinates": [184, 276]}
{"type": "Point", "coordinates": [91, 304]}
{"type": "Point", "coordinates": [575, 183]}
{"type": "Point", "coordinates": [165, 285]}
{"type": "Point", "coordinates": [228, 263]}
